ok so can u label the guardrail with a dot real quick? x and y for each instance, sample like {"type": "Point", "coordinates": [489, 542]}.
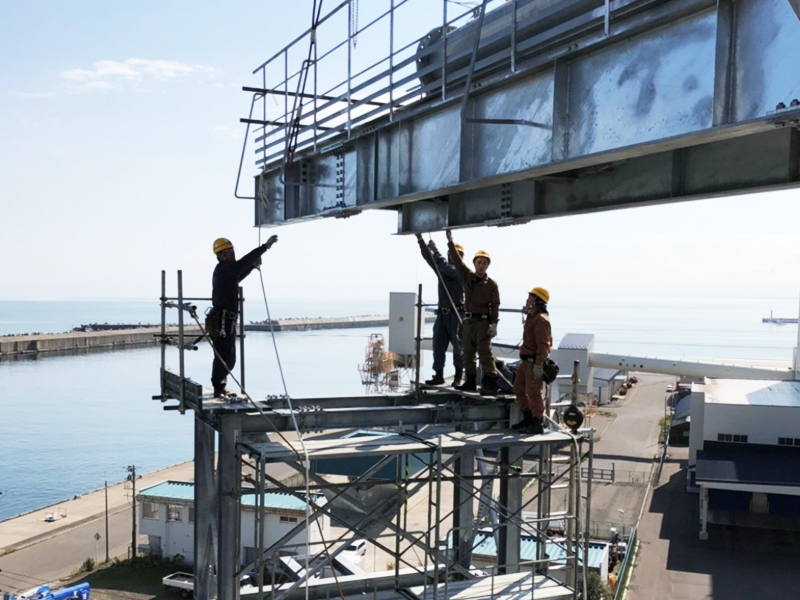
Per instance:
{"type": "Point", "coordinates": [626, 566]}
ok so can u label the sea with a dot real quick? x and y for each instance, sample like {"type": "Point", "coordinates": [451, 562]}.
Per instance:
{"type": "Point", "coordinates": [69, 424]}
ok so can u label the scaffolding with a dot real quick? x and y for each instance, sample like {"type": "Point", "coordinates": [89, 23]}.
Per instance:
{"type": "Point", "coordinates": [451, 455]}
{"type": "Point", "coordinates": [380, 371]}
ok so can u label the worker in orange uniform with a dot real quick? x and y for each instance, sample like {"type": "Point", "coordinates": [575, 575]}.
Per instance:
{"type": "Point", "coordinates": [221, 321]}
{"type": "Point", "coordinates": [482, 311]}
{"type": "Point", "coordinates": [537, 340]}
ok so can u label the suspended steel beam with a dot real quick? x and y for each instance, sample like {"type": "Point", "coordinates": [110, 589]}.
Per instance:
{"type": "Point", "coordinates": [653, 102]}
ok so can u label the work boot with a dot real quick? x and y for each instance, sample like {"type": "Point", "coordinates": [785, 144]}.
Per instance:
{"type": "Point", "coordinates": [457, 376]}
{"type": "Point", "coordinates": [220, 391]}
{"type": "Point", "coordinates": [489, 385]}
{"type": "Point", "coordinates": [527, 420]}
{"type": "Point", "coordinates": [535, 428]}
{"type": "Point", "coordinates": [438, 379]}
{"type": "Point", "coordinates": [469, 385]}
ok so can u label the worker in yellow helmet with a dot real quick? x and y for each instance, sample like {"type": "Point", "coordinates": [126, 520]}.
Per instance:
{"type": "Point", "coordinates": [221, 321]}
{"type": "Point", "coordinates": [447, 328]}
{"type": "Point", "coordinates": [537, 340]}
{"type": "Point", "coordinates": [482, 306]}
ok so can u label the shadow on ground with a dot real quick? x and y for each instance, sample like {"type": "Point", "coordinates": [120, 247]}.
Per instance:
{"type": "Point", "coordinates": [743, 563]}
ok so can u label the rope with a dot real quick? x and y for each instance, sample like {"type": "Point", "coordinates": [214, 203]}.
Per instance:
{"type": "Point", "coordinates": [306, 461]}
{"type": "Point", "coordinates": [303, 460]}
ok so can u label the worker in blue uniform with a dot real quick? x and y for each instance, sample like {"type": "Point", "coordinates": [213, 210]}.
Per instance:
{"type": "Point", "coordinates": [447, 327]}
{"type": "Point", "coordinates": [221, 321]}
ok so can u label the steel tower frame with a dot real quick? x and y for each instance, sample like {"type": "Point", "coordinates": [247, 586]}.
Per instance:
{"type": "Point", "coordinates": [458, 438]}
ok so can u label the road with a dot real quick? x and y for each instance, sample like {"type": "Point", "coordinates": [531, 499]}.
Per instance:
{"type": "Point", "coordinates": [628, 442]}
{"type": "Point", "coordinates": [56, 557]}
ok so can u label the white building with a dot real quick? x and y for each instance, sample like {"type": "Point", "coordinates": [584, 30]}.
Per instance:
{"type": "Point", "coordinates": [166, 516]}
{"type": "Point", "coordinates": [744, 452]}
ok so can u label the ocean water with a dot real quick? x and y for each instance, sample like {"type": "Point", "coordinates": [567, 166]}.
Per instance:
{"type": "Point", "coordinates": [67, 424]}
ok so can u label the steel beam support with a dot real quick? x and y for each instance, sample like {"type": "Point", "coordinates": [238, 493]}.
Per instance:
{"type": "Point", "coordinates": [724, 77]}
{"type": "Point", "coordinates": [281, 420]}
{"type": "Point", "coordinates": [463, 512]}
{"type": "Point", "coordinates": [205, 520]}
{"type": "Point", "coordinates": [741, 165]}
{"type": "Point", "coordinates": [508, 550]}
{"type": "Point", "coordinates": [228, 495]}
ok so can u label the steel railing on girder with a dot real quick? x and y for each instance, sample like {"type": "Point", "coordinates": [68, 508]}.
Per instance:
{"type": "Point", "coordinates": [340, 85]}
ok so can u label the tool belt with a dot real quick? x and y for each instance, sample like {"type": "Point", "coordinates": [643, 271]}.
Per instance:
{"type": "Point", "coordinates": [442, 310]}
{"type": "Point", "coordinates": [550, 368]}
{"type": "Point", "coordinates": [218, 320]}
{"type": "Point", "coordinates": [471, 316]}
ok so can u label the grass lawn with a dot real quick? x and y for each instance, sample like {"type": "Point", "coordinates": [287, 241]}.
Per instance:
{"type": "Point", "coordinates": [138, 579]}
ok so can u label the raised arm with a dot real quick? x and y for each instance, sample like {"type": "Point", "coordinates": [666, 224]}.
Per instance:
{"type": "Point", "coordinates": [252, 259]}
{"type": "Point", "coordinates": [463, 270]}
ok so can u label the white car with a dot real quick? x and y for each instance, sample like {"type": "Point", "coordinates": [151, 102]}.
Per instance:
{"type": "Point", "coordinates": [355, 550]}
{"type": "Point", "coordinates": [669, 389]}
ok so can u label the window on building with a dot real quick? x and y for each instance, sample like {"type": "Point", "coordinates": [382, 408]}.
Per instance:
{"type": "Point", "coordinates": [788, 441]}
{"type": "Point", "coordinates": [285, 519]}
{"type": "Point", "coordinates": [150, 510]}
{"type": "Point", "coordinates": [732, 437]}
{"type": "Point", "coordinates": [191, 514]}
{"type": "Point", "coordinates": [174, 512]}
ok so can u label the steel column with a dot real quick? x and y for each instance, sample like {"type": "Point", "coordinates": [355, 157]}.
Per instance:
{"type": "Point", "coordinates": [463, 513]}
{"type": "Point", "coordinates": [205, 513]}
{"type": "Point", "coordinates": [228, 495]}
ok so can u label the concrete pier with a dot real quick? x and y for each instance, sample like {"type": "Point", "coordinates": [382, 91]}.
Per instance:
{"type": "Point", "coordinates": [16, 346]}
{"type": "Point", "coordinates": [75, 341]}
{"type": "Point", "coordinates": [323, 323]}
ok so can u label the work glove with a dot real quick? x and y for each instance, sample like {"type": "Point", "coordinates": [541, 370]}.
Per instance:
{"type": "Point", "coordinates": [271, 241]}
{"type": "Point", "coordinates": [257, 263]}
{"type": "Point", "coordinates": [538, 371]}
{"type": "Point", "coordinates": [419, 236]}
{"type": "Point", "coordinates": [492, 330]}
{"type": "Point", "coordinates": [432, 246]}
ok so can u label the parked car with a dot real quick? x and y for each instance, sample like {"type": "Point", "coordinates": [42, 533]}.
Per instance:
{"type": "Point", "coordinates": [669, 389]}
{"type": "Point", "coordinates": [355, 550]}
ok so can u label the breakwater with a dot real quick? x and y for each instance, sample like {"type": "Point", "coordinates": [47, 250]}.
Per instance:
{"type": "Point", "coordinates": [323, 323]}
{"type": "Point", "coordinates": [111, 337]}
{"type": "Point", "coordinates": [36, 344]}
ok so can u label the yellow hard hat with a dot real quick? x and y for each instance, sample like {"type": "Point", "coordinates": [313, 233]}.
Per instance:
{"type": "Point", "coordinates": [541, 293]}
{"type": "Point", "coordinates": [482, 253]}
{"type": "Point", "coordinates": [221, 244]}
{"type": "Point", "coordinates": [459, 249]}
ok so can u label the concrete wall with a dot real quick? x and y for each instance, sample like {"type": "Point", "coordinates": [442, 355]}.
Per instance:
{"type": "Point", "coordinates": [761, 424]}
{"type": "Point", "coordinates": [274, 529]}
{"type": "Point", "coordinates": [177, 536]}
{"type": "Point", "coordinates": [696, 434]}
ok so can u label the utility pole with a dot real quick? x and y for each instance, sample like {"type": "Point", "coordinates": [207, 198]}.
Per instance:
{"type": "Point", "coordinates": [106, 488]}
{"type": "Point", "coordinates": [132, 479]}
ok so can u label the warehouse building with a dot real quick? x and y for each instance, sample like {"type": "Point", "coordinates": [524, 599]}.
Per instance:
{"type": "Point", "coordinates": [744, 453]}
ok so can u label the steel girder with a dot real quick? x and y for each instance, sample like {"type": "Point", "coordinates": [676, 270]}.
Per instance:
{"type": "Point", "coordinates": [679, 100]}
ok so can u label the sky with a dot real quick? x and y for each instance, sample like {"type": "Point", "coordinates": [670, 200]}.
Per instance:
{"type": "Point", "coordinates": [120, 144]}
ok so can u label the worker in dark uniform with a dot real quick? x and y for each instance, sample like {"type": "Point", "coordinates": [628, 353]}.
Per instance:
{"type": "Point", "coordinates": [228, 273]}
{"type": "Point", "coordinates": [482, 306]}
{"type": "Point", "coordinates": [537, 339]}
{"type": "Point", "coordinates": [447, 328]}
